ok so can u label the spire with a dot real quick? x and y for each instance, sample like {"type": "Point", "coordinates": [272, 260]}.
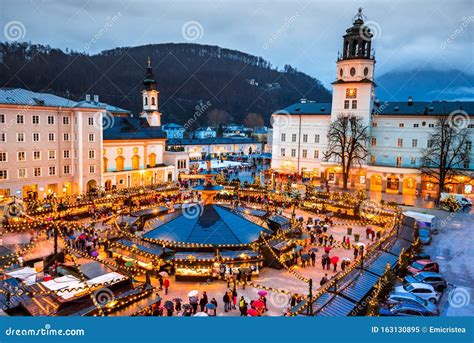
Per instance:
{"type": "Point", "coordinates": [149, 82]}
{"type": "Point", "coordinates": [358, 39]}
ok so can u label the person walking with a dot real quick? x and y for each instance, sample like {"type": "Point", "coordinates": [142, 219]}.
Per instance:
{"type": "Point", "coordinates": [166, 284]}
{"type": "Point", "coordinates": [241, 305]}
{"type": "Point", "coordinates": [226, 299]}
{"type": "Point", "coordinates": [323, 280]}
{"type": "Point", "coordinates": [356, 252]}
{"type": "Point", "coordinates": [313, 258]}
{"type": "Point", "coordinates": [160, 280]}
{"type": "Point", "coordinates": [234, 298]}
{"type": "Point", "coordinates": [323, 262]}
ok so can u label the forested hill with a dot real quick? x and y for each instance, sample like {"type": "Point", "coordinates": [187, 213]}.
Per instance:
{"type": "Point", "coordinates": [187, 75]}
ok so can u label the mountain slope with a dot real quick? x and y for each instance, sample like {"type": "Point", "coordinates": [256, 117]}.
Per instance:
{"type": "Point", "coordinates": [187, 75]}
{"type": "Point", "coordinates": [426, 85]}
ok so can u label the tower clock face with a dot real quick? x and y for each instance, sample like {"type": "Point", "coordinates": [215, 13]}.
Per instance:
{"type": "Point", "coordinates": [353, 71]}
{"type": "Point", "coordinates": [351, 93]}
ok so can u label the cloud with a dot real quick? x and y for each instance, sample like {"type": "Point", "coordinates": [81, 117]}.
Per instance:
{"type": "Point", "coordinates": [413, 33]}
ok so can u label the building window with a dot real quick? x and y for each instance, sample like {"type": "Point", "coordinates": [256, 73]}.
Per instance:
{"type": "Point", "coordinates": [373, 159]}
{"type": "Point", "coordinates": [316, 138]}
{"type": "Point", "coordinates": [51, 137]}
{"type": "Point", "coordinates": [400, 142]}
{"type": "Point", "coordinates": [3, 174]}
{"type": "Point", "coordinates": [283, 137]}
{"type": "Point", "coordinates": [414, 143]}
{"type": "Point", "coordinates": [66, 169]}
{"type": "Point", "coordinates": [351, 93]}
{"type": "Point", "coordinates": [91, 137]}
{"type": "Point", "coordinates": [3, 137]}
{"type": "Point", "coordinates": [305, 153]}
{"type": "Point", "coordinates": [36, 155]}
{"type": "Point", "coordinates": [346, 104]}
{"type": "Point", "coordinates": [66, 154]}
{"type": "Point", "coordinates": [52, 170]}
{"type": "Point", "coordinates": [22, 173]}
{"type": "Point", "coordinates": [91, 169]}
{"type": "Point", "coordinates": [36, 137]}
{"type": "Point", "coordinates": [283, 154]}
{"type": "Point", "coordinates": [293, 152]}
{"type": "Point", "coordinates": [51, 154]}
{"type": "Point", "coordinates": [354, 104]}
{"type": "Point", "coordinates": [316, 153]}
{"type": "Point", "coordinates": [413, 161]}
{"type": "Point", "coordinates": [91, 154]}
{"type": "Point", "coordinates": [20, 119]}
{"type": "Point", "coordinates": [20, 137]}
{"type": "Point", "coordinates": [469, 145]}
{"type": "Point", "coordinates": [466, 164]}
{"type": "Point", "coordinates": [50, 120]}
{"type": "Point", "coordinates": [35, 119]}
{"type": "Point", "coordinates": [293, 137]}
{"type": "Point", "coordinates": [37, 171]}
{"type": "Point", "coordinates": [2, 119]}
{"type": "Point", "coordinates": [21, 156]}
{"type": "Point", "coordinates": [399, 161]}
{"type": "Point", "coordinates": [66, 137]}
{"type": "Point", "coordinates": [65, 120]}
{"type": "Point", "coordinates": [3, 157]}
{"type": "Point", "coordinates": [373, 141]}
{"type": "Point", "coordinates": [416, 125]}
{"type": "Point", "coordinates": [431, 125]}
{"type": "Point", "coordinates": [401, 124]}
{"type": "Point", "coordinates": [429, 143]}
{"type": "Point", "coordinates": [305, 138]}
{"type": "Point", "coordinates": [374, 124]}
{"type": "Point", "coordinates": [90, 120]}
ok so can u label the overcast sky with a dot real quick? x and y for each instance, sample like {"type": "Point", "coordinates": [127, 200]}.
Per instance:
{"type": "Point", "coordinates": [303, 33]}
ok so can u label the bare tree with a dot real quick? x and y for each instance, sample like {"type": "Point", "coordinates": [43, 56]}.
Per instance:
{"type": "Point", "coordinates": [218, 117]}
{"type": "Point", "coordinates": [348, 137]}
{"type": "Point", "coordinates": [447, 150]}
{"type": "Point", "coordinates": [253, 120]}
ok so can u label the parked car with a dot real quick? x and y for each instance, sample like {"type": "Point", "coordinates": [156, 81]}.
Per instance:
{"type": "Point", "coordinates": [434, 279]}
{"type": "Point", "coordinates": [425, 236]}
{"type": "Point", "coordinates": [421, 256]}
{"type": "Point", "coordinates": [422, 290]}
{"type": "Point", "coordinates": [405, 309]}
{"type": "Point", "coordinates": [422, 266]}
{"type": "Point", "coordinates": [398, 297]}
{"type": "Point", "coordinates": [460, 199]}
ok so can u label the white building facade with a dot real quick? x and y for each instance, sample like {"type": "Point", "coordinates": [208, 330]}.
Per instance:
{"type": "Point", "coordinates": [399, 131]}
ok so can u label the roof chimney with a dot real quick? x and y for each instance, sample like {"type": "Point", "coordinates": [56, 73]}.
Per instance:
{"type": "Point", "coordinates": [96, 98]}
{"type": "Point", "coordinates": [88, 97]}
{"type": "Point", "coordinates": [410, 100]}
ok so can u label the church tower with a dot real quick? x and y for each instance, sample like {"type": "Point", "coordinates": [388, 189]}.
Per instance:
{"type": "Point", "coordinates": [150, 98]}
{"type": "Point", "coordinates": [353, 90]}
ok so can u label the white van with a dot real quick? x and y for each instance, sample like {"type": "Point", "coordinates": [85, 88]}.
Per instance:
{"type": "Point", "coordinates": [461, 199]}
{"type": "Point", "coordinates": [423, 220]}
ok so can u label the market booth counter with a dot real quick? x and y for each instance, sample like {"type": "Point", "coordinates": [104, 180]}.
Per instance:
{"type": "Point", "coordinates": [247, 261]}
{"type": "Point", "coordinates": [195, 266]}
{"type": "Point", "coordinates": [277, 251]}
{"type": "Point", "coordinates": [143, 254]}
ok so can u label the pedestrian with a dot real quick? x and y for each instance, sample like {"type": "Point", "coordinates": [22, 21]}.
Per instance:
{"type": "Point", "coordinates": [323, 280]}
{"type": "Point", "coordinates": [203, 303]}
{"type": "Point", "coordinates": [244, 279]}
{"type": "Point", "coordinates": [193, 301]}
{"type": "Point", "coordinates": [356, 252]}
{"type": "Point", "coordinates": [323, 262]}
{"type": "Point", "coordinates": [160, 280]}
{"type": "Point", "coordinates": [226, 299]}
{"type": "Point", "coordinates": [335, 266]}
{"type": "Point", "coordinates": [367, 232]}
{"type": "Point", "coordinates": [372, 235]}
{"type": "Point", "coordinates": [177, 305]}
{"type": "Point", "coordinates": [234, 298]}
{"type": "Point", "coordinates": [241, 305]}
{"type": "Point", "coordinates": [214, 302]}
{"type": "Point", "coordinates": [166, 284]}
{"type": "Point", "coordinates": [313, 258]}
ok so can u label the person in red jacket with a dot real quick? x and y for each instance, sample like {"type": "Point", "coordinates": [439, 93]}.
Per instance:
{"type": "Point", "coordinates": [166, 284]}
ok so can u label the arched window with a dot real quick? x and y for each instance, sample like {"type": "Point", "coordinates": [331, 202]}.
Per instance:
{"type": "Point", "coordinates": [153, 101]}
{"type": "Point", "coordinates": [152, 160]}
{"type": "Point", "coordinates": [119, 162]}
{"type": "Point", "coordinates": [146, 101]}
{"type": "Point", "coordinates": [105, 162]}
{"type": "Point", "coordinates": [135, 162]}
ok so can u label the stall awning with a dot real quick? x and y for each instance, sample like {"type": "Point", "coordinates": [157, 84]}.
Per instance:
{"type": "Point", "coordinates": [407, 233]}
{"type": "Point", "coordinates": [360, 286]}
{"type": "Point", "coordinates": [251, 211]}
{"type": "Point", "coordinates": [379, 265]}
{"type": "Point", "coordinates": [239, 254]}
{"type": "Point", "coordinates": [337, 307]}
{"type": "Point", "coordinates": [396, 246]}
{"type": "Point", "coordinates": [145, 247]}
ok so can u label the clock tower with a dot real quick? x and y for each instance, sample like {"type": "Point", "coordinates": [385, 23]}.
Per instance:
{"type": "Point", "coordinates": [150, 98]}
{"type": "Point", "coordinates": [353, 90]}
